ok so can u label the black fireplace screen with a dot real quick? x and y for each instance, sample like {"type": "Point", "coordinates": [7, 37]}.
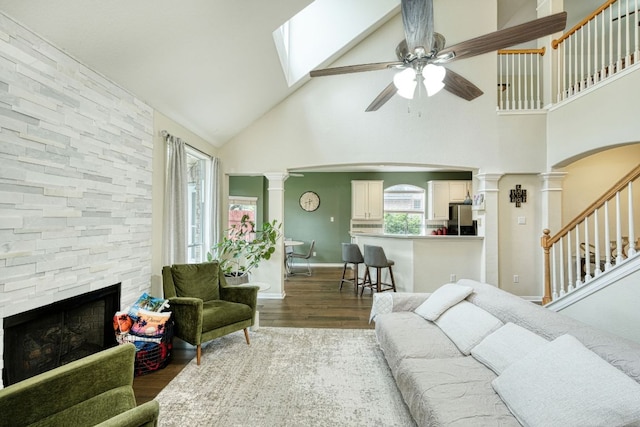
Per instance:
{"type": "Point", "coordinates": [47, 337]}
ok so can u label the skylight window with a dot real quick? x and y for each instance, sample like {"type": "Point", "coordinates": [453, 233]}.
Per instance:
{"type": "Point", "coordinates": [326, 29]}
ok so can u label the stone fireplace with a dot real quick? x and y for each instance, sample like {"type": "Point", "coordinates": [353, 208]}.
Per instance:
{"type": "Point", "coordinates": [41, 339]}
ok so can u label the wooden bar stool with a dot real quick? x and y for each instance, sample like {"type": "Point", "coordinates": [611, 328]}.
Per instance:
{"type": "Point", "coordinates": [375, 257]}
{"type": "Point", "coordinates": [351, 255]}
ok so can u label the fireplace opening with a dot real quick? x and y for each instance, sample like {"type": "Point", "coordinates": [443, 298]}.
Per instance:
{"type": "Point", "coordinates": [44, 338]}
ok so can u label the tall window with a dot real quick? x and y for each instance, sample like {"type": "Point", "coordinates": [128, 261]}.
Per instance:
{"type": "Point", "coordinates": [199, 185]}
{"type": "Point", "coordinates": [404, 209]}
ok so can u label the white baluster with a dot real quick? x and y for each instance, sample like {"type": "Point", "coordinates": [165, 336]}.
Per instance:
{"type": "Point", "coordinates": [587, 252]}
{"type": "Point", "coordinates": [539, 73]}
{"type": "Point", "coordinates": [554, 278]}
{"type": "Point", "coordinates": [596, 243]}
{"type": "Point", "coordinates": [627, 33]}
{"type": "Point", "coordinates": [562, 283]}
{"type": "Point", "coordinates": [571, 285]}
{"type": "Point", "coordinates": [578, 261]}
{"type": "Point", "coordinates": [610, 71]}
{"type": "Point", "coordinates": [582, 75]}
{"type": "Point", "coordinates": [596, 67]}
{"type": "Point", "coordinates": [514, 104]}
{"type": "Point", "coordinates": [588, 59]}
{"type": "Point", "coordinates": [636, 49]}
{"type": "Point", "coordinates": [500, 82]}
{"type": "Point", "coordinates": [607, 237]}
{"type": "Point", "coordinates": [632, 235]}
{"type": "Point", "coordinates": [619, 248]}
{"type": "Point", "coordinates": [619, 55]}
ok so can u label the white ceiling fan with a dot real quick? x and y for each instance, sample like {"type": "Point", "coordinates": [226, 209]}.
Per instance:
{"type": "Point", "coordinates": [422, 54]}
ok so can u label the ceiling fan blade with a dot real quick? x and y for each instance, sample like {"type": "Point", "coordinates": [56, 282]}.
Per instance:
{"type": "Point", "coordinates": [505, 38]}
{"type": "Point", "coordinates": [354, 68]}
{"type": "Point", "coordinates": [386, 94]}
{"type": "Point", "coordinates": [458, 85]}
{"type": "Point", "coordinates": [417, 18]}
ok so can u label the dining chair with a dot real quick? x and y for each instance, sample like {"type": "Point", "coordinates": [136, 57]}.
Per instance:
{"type": "Point", "coordinates": [294, 255]}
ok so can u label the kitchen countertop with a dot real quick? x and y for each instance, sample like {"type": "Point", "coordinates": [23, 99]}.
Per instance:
{"type": "Point", "coordinates": [416, 236]}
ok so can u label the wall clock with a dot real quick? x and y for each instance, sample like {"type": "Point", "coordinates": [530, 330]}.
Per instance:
{"type": "Point", "coordinates": [309, 201]}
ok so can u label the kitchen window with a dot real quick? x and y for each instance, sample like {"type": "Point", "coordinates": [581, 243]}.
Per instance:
{"type": "Point", "coordinates": [404, 208]}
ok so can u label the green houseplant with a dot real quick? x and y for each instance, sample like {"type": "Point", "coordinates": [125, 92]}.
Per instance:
{"type": "Point", "coordinates": [243, 247]}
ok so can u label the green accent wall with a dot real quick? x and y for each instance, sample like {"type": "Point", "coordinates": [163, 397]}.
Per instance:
{"type": "Point", "coordinates": [334, 189]}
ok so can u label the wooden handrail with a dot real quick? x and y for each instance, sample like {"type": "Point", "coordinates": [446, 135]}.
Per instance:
{"type": "Point", "coordinates": [618, 186]}
{"type": "Point", "coordinates": [540, 51]}
{"type": "Point", "coordinates": [556, 42]}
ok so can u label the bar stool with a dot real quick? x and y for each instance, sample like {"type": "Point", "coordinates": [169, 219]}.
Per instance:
{"type": "Point", "coordinates": [351, 255]}
{"type": "Point", "coordinates": [374, 257]}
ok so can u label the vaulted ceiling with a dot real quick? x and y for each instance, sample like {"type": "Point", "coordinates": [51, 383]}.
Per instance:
{"type": "Point", "coordinates": [209, 65]}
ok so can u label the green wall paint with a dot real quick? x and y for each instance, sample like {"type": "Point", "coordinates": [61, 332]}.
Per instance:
{"type": "Point", "coordinates": [334, 189]}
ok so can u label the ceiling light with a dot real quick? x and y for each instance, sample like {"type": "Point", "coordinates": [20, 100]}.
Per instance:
{"type": "Point", "coordinates": [406, 83]}
{"type": "Point", "coordinates": [432, 77]}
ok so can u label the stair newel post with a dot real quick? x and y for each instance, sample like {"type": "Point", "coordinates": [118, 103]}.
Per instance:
{"type": "Point", "coordinates": [632, 235]}
{"type": "Point", "coordinates": [544, 242]}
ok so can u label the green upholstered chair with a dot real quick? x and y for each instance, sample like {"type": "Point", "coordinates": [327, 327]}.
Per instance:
{"type": "Point", "coordinates": [204, 306]}
{"type": "Point", "coordinates": [94, 390]}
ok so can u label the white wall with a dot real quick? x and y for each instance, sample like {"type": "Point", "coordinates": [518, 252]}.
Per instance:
{"type": "Point", "coordinates": [75, 181]}
{"type": "Point", "coordinates": [613, 309]}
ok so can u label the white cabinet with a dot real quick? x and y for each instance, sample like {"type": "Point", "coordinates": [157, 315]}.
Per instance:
{"type": "Point", "coordinates": [441, 193]}
{"type": "Point", "coordinates": [438, 200]}
{"type": "Point", "coordinates": [367, 200]}
{"type": "Point", "coordinates": [458, 191]}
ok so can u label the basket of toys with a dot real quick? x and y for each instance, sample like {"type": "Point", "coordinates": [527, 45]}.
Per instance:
{"type": "Point", "coordinates": [150, 329]}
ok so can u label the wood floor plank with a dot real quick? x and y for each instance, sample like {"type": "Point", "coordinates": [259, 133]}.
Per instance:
{"type": "Point", "coordinates": [311, 302]}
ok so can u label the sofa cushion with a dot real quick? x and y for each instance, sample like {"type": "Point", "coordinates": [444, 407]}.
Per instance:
{"type": "Point", "coordinates": [452, 392]}
{"type": "Point", "coordinates": [218, 313]}
{"type": "Point", "coordinates": [506, 345]}
{"type": "Point", "coordinates": [466, 325]}
{"type": "Point", "coordinates": [196, 280]}
{"type": "Point", "coordinates": [404, 334]}
{"type": "Point", "coordinates": [444, 297]}
{"type": "Point", "coordinates": [565, 384]}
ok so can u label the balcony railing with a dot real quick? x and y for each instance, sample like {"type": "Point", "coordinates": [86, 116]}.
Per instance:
{"type": "Point", "coordinates": [600, 46]}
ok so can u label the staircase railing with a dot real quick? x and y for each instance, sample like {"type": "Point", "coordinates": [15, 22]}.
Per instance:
{"type": "Point", "coordinates": [520, 79]}
{"type": "Point", "coordinates": [596, 241]}
{"type": "Point", "coordinates": [601, 45]}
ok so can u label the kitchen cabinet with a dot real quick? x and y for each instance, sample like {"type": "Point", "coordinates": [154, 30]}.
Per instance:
{"type": "Point", "coordinates": [367, 200]}
{"type": "Point", "coordinates": [441, 193]}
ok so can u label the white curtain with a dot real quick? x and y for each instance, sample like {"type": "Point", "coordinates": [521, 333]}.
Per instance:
{"type": "Point", "coordinates": [216, 200]}
{"type": "Point", "coordinates": [175, 202]}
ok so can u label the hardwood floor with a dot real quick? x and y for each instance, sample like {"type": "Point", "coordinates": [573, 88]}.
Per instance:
{"type": "Point", "coordinates": [310, 302]}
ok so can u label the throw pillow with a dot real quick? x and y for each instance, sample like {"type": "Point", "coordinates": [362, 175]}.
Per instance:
{"type": "Point", "coordinates": [506, 345]}
{"type": "Point", "coordinates": [444, 297]}
{"type": "Point", "coordinates": [150, 323]}
{"type": "Point", "coordinates": [196, 280]}
{"type": "Point", "coordinates": [563, 383]}
{"type": "Point", "coordinates": [466, 325]}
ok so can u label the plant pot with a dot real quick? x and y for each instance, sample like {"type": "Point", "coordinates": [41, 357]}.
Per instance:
{"type": "Point", "coordinates": [236, 280]}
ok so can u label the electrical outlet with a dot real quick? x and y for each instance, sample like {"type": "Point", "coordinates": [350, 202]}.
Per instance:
{"type": "Point", "coordinates": [314, 253]}
{"type": "Point", "coordinates": [331, 219]}
{"type": "Point", "coordinates": [452, 278]}
{"type": "Point", "coordinates": [516, 278]}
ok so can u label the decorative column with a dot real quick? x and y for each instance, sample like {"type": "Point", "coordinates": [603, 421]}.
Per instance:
{"type": "Point", "coordinates": [551, 216]}
{"type": "Point", "coordinates": [488, 227]}
{"type": "Point", "coordinates": [272, 271]}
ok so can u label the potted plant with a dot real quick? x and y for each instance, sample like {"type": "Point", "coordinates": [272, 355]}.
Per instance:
{"type": "Point", "coordinates": [243, 247]}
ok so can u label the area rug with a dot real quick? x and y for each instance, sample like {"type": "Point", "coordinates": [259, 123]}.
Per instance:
{"type": "Point", "coordinates": [287, 377]}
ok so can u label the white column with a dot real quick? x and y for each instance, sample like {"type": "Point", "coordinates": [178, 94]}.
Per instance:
{"type": "Point", "coordinates": [488, 227]}
{"type": "Point", "coordinates": [550, 58]}
{"type": "Point", "coordinates": [272, 271]}
{"type": "Point", "coordinates": [551, 214]}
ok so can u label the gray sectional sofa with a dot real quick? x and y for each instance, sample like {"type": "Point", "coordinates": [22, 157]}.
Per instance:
{"type": "Point", "coordinates": [490, 358]}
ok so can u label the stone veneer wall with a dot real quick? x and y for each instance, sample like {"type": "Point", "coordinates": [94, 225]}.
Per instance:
{"type": "Point", "coordinates": [75, 178]}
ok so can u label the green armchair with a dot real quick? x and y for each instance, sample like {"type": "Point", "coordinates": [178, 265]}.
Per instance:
{"type": "Point", "coordinates": [204, 306]}
{"type": "Point", "coordinates": [94, 390]}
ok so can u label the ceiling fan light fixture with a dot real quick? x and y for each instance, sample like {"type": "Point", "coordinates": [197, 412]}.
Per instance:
{"type": "Point", "coordinates": [405, 82]}
{"type": "Point", "coordinates": [433, 78]}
